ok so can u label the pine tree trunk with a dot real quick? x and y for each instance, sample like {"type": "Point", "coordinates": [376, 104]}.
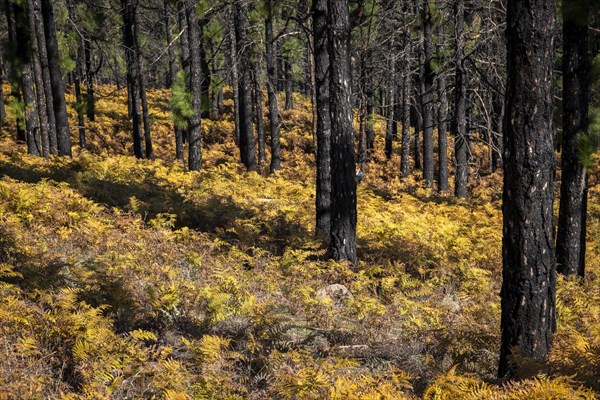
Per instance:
{"type": "Point", "coordinates": [342, 245]}
{"type": "Point", "coordinates": [195, 143]}
{"type": "Point", "coordinates": [247, 145]}
{"type": "Point", "coordinates": [63, 134]}
{"type": "Point", "coordinates": [145, 115]}
{"type": "Point", "coordinates": [133, 73]}
{"type": "Point", "coordinates": [406, 95]}
{"type": "Point", "coordinates": [391, 95]}
{"type": "Point", "coordinates": [172, 79]}
{"type": "Point", "coordinates": [79, 101]}
{"type": "Point", "coordinates": [14, 79]}
{"type": "Point", "coordinates": [184, 53]}
{"type": "Point", "coordinates": [2, 107]}
{"type": "Point", "coordinates": [289, 84]}
{"type": "Point", "coordinates": [570, 242]}
{"type": "Point", "coordinates": [321, 50]}
{"type": "Point", "coordinates": [271, 93]}
{"type": "Point", "coordinates": [260, 128]}
{"type": "Point", "coordinates": [497, 108]}
{"type": "Point", "coordinates": [39, 83]}
{"type": "Point", "coordinates": [25, 61]}
{"type": "Point", "coordinates": [427, 96]}
{"type": "Point", "coordinates": [417, 133]}
{"type": "Point", "coordinates": [459, 123]}
{"type": "Point", "coordinates": [528, 286]}
{"type": "Point", "coordinates": [442, 134]}
{"type": "Point", "coordinates": [235, 77]}
{"type": "Point", "coordinates": [89, 80]}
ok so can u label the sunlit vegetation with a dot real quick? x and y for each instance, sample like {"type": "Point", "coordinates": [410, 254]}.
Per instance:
{"type": "Point", "coordinates": [125, 278]}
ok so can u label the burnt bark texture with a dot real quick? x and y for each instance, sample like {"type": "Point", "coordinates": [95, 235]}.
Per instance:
{"type": "Point", "coordinates": [247, 145]}
{"type": "Point", "coordinates": [459, 123]}
{"type": "Point", "coordinates": [570, 241]}
{"type": "Point", "coordinates": [271, 92]}
{"type": "Point", "coordinates": [406, 94]}
{"type": "Point", "coordinates": [195, 131]}
{"type": "Point", "coordinates": [128, 10]}
{"type": "Point", "coordinates": [442, 118]}
{"type": "Point", "coordinates": [390, 97]}
{"type": "Point", "coordinates": [528, 287]}
{"type": "Point", "coordinates": [427, 95]}
{"type": "Point", "coordinates": [342, 245]}
{"type": "Point", "coordinates": [63, 136]}
{"type": "Point", "coordinates": [321, 46]}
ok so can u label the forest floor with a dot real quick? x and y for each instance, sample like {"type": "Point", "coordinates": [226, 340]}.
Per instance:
{"type": "Point", "coordinates": [124, 278]}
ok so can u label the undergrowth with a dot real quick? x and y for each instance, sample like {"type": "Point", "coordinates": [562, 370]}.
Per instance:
{"type": "Point", "coordinates": [125, 278]}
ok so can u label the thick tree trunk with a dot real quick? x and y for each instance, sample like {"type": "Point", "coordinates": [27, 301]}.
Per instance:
{"type": "Point", "coordinates": [25, 61]}
{"type": "Point", "coordinates": [342, 245]}
{"type": "Point", "coordinates": [321, 46]}
{"type": "Point", "coordinates": [528, 286]}
{"type": "Point", "coordinates": [427, 96]}
{"type": "Point", "coordinates": [195, 143]}
{"type": "Point", "coordinates": [247, 145]}
{"type": "Point", "coordinates": [271, 93]}
{"type": "Point", "coordinates": [39, 83]}
{"type": "Point", "coordinates": [133, 73]}
{"type": "Point", "coordinates": [63, 134]}
{"type": "Point", "coordinates": [442, 134]}
{"type": "Point", "coordinates": [570, 242]}
{"type": "Point", "coordinates": [459, 128]}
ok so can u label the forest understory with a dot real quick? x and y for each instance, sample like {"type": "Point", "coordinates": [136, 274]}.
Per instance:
{"type": "Point", "coordinates": [124, 278]}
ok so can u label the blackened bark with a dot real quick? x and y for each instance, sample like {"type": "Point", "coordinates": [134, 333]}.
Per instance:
{"type": "Point", "coordinates": [46, 81]}
{"type": "Point", "coordinates": [15, 91]}
{"type": "Point", "coordinates": [417, 142]}
{"type": "Point", "coordinates": [79, 101]}
{"type": "Point", "coordinates": [247, 145]}
{"type": "Point", "coordinates": [195, 131]}
{"type": "Point", "coordinates": [271, 93]}
{"type": "Point", "coordinates": [235, 76]}
{"type": "Point", "coordinates": [405, 146]}
{"type": "Point", "coordinates": [39, 83]}
{"type": "Point", "coordinates": [25, 61]}
{"type": "Point", "coordinates": [459, 122]}
{"type": "Point", "coordinates": [442, 134]}
{"type": "Point", "coordinates": [427, 96]}
{"type": "Point", "coordinates": [2, 107]}
{"type": "Point", "coordinates": [528, 288]}
{"type": "Point", "coordinates": [570, 241]}
{"type": "Point", "coordinates": [321, 50]}
{"type": "Point", "coordinates": [63, 135]}
{"type": "Point", "coordinates": [260, 127]}
{"type": "Point", "coordinates": [133, 74]}
{"type": "Point", "coordinates": [205, 70]}
{"type": "Point", "coordinates": [342, 244]}
{"type": "Point", "coordinates": [145, 114]}
{"type": "Point", "coordinates": [391, 96]}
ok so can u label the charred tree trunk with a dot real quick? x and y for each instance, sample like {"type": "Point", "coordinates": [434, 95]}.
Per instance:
{"type": "Point", "coordinates": [260, 128]}
{"type": "Point", "coordinates": [570, 243]}
{"type": "Point", "coordinates": [2, 107]}
{"type": "Point", "coordinates": [391, 95]}
{"type": "Point", "coordinates": [459, 127]}
{"type": "Point", "coordinates": [195, 132]}
{"type": "Point", "coordinates": [25, 61]}
{"type": "Point", "coordinates": [89, 80]}
{"type": "Point", "coordinates": [289, 84]}
{"type": "Point", "coordinates": [442, 128]}
{"type": "Point", "coordinates": [133, 73]}
{"type": "Point", "coordinates": [172, 78]}
{"type": "Point", "coordinates": [321, 49]}
{"type": "Point", "coordinates": [235, 76]}
{"type": "Point", "coordinates": [247, 145]}
{"type": "Point", "coordinates": [497, 108]}
{"type": "Point", "coordinates": [528, 286]}
{"type": "Point", "coordinates": [58, 87]}
{"type": "Point", "coordinates": [271, 89]}
{"type": "Point", "coordinates": [406, 94]}
{"type": "Point", "coordinates": [427, 96]}
{"type": "Point", "coordinates": [342, 245]}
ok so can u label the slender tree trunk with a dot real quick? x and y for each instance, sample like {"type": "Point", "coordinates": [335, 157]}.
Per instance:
{"type": "Point", "coordinates": [205, 70]}
{"type": "Point", "coordinates": [342, 245]}
{"type": "Point", "coordinates": [260, 128]}
{"type": "Point", "coordinates": [321, 50]}
{"type": "Point", "coordinates": [133, 72]}
{"type": "Point", "coordinates": [570, 243]}
{"type": "Point", "coordinates": [417, 133]}
{"type": "Point", "coordinates": [391, 95]}
{"type": "Point", "coordinates": [235, 78]}
{"type": "Point", "coordinates": [185, 51]}
{"type": "Point", "coordinates": [172, 79]}
{"type": "Point", "coordinates": [459, 123]}
{"type": "Point", "coordinates": [2, 107]}
{"type": "Point", "coordinates": [195, 144]}
{"type": "Point", "coordinates": [89, 80]}
{"type": "Point", "coordinates": [528, 286]}
{"type": "Point", "coordinates": [442, 134]}
{"type": "Point", "coordinates": [145, 114]}
{"type": "Point", "coordinates": [406, 95]}
{"type": "Point", "coordinates": [427, 96]}
{"type": "Point", "coordinates": [289, 84]}
{"type": "Point", "coordinates": [14, 79]}
{"type": "Point", "coordinates": [39, 83]}
{"type": "Point", "coordinates": [497, 109]}
{"type": "Point", "coordinates": [79, 105]}
{"type": "Point", "coordinates": [247, 145]}
{"type": "Point", "coordinates": [58, 87]}
{"type": "Point", "coordinates": [271, 86]}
